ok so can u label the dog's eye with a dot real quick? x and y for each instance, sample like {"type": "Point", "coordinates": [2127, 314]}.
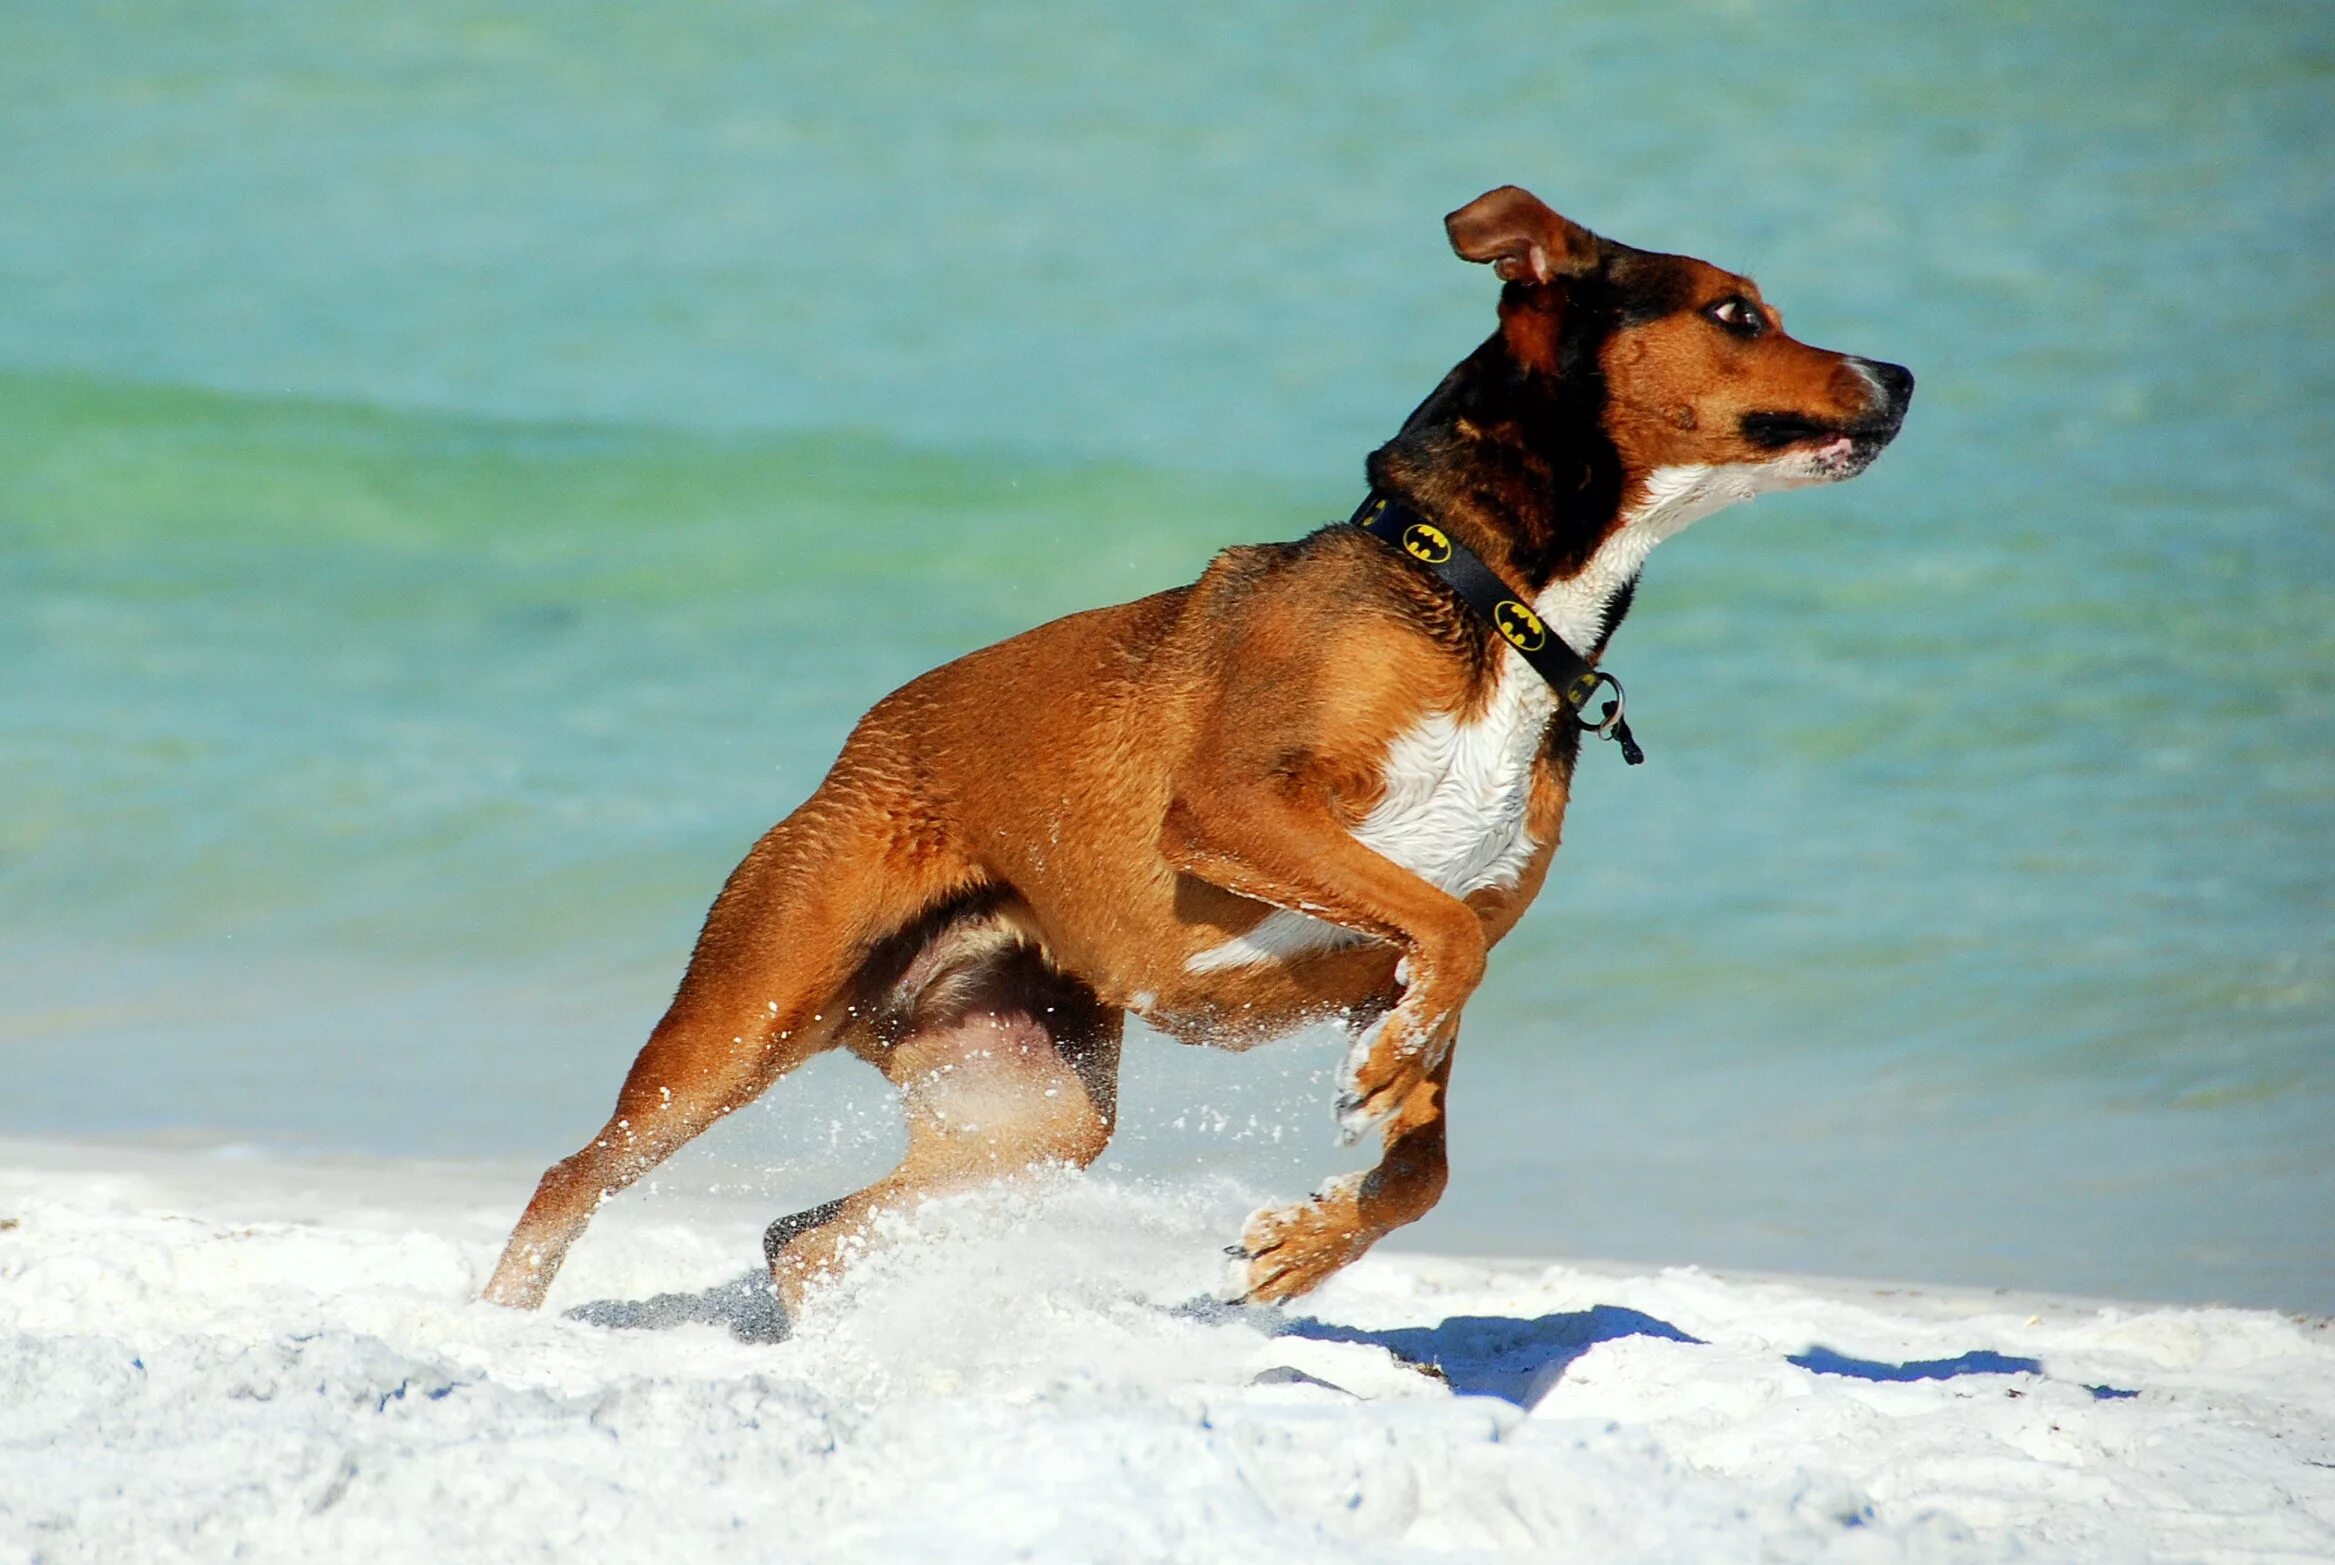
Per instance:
{"type": "Point", "coordinates": [1739, 315]}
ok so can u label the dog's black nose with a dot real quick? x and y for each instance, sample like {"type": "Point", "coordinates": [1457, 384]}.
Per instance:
{"type": "Point", "coordinates": [1895, 381]}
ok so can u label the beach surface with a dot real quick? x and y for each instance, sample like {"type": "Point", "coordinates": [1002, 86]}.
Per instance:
{"type": "Point", "coordinates": [212, 1354]}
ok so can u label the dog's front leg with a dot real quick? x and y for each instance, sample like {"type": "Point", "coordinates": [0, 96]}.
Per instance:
{"type": "Point", "coordinates": [1260, 842]}
{"type": "Point", "coordinates": [1286, 1251]}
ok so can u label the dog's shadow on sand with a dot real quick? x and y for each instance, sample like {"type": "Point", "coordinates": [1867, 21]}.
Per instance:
{"type": "Point", "coordinates": [1520, 1361]}
{"type": "Point", "coordinates": [1500, 1356]}
{"type": "Point", "coordinates": [1505, 1356]}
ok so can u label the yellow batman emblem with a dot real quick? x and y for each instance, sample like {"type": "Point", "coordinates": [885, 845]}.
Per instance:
{"type": "Point", "coordinates": [1424, 542]}
{"type": "Point", "coordinates": [1520, 625]}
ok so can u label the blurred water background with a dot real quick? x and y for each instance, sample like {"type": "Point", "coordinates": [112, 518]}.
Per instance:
{"type": "Point", "coordinates": [463, 468]}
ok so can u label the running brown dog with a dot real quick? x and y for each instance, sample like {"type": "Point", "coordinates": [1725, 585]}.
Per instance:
{"type": "Point", "coordinates": [1311, 786]}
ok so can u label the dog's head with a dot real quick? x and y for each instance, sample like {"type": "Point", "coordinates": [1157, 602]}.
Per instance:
{"type": "Point", "coordinates": [1669, 380]}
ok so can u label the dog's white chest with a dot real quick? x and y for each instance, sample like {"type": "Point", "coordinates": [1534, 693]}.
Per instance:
{"type": "Point", "coordinates": [1457, 793]}
{"type": "Point", "coordinates": [1455, 812]}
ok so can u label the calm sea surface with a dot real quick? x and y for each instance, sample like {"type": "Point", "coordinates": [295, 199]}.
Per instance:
{"type": "Point", "coordinates": [463, 469]}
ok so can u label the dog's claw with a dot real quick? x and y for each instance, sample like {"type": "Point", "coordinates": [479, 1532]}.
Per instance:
{"type": "Point", "coordinates": [1356, 1118]}
{"type": "Point", "coordinates": [1238, 1252]}
{"type": "Point", "coordinates": [1257, 1275]}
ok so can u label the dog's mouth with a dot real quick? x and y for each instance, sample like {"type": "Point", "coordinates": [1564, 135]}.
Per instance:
{"type": "Point", "coordinates": [1843, 456]}
{"type": "Point", "coordinates": [1811, 451]}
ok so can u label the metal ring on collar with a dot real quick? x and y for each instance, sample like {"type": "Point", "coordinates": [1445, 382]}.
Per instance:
{"type": "Point", "coordinates": [1604, 726]}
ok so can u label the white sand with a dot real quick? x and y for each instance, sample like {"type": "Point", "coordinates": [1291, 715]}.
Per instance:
{"type": "Point", "coordinates": [206, 1357]}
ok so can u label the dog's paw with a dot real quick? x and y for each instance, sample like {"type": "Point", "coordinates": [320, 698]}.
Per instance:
{"type": "Point", "coordinates": [1388, 1061]}
{"type": "Point", "coordinates": [1286, 1251]}
{"type": "Point", "coordinates": [520, 1281]}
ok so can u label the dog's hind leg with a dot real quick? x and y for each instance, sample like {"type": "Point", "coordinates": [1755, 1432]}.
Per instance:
{"type": "Point", "coordinates": [1285, 1251]}
{"type": "Point", "coordinates": [1005, 1067]}
{"type": "Point", "coordinates": [767, 988]}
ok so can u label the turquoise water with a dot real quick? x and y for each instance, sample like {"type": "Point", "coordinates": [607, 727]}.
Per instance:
{"type": "Point", "coordinates": [462, 471]}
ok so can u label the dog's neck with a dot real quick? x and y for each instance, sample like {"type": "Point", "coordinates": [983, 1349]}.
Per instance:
{"type": "Point", "coordinates": [1519, 468]}
{"type": "Point", "coordinates": [1586, 606]}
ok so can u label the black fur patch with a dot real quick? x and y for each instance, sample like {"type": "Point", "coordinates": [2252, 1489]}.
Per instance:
{"type": "Point", "coordinates": [1526, 450]}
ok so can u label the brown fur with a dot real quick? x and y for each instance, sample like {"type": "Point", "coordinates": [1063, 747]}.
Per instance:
{"type": "Point", "coordinates": [1016, 849]}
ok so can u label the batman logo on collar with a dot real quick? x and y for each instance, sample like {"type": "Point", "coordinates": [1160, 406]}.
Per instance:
{"type": "Point", "coordinates": [1520, 625]}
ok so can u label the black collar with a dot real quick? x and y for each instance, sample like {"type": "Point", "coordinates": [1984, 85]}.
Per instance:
{"type": "Point", "coordinates": [1574, 678]}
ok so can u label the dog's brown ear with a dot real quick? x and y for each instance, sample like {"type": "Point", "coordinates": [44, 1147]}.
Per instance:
{"type": "Point", "coordinates": [1525, 242]}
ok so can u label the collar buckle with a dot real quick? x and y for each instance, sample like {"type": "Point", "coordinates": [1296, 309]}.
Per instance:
{"type": "Point", "coordinates": [1612, 723]}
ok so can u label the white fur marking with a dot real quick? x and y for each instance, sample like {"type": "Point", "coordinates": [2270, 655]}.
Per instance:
{"type": "Point", "coordinates": [1453, 813]}
{"type": "Point", "coordinates": [1676, 498]}
{"type": "Point", "coordinates": [1279, 935]}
